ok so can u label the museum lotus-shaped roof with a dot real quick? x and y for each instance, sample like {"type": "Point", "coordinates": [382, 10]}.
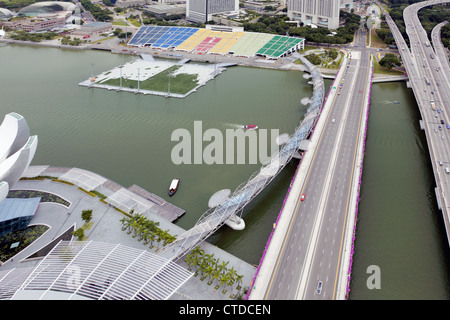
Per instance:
{"type": "Point", "coordinates": [17, 149]}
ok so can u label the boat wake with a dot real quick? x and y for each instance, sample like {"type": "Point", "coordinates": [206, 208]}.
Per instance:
{"type": "Point", "coordinates": [390, 102]}
{"type": "Point", "coordinates": [234, 125]}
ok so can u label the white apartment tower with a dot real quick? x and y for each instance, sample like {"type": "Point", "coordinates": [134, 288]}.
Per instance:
{"type": "Point", "coordinates": [323, 13]}
{"type": "Point", "coordinates": [202, 10]}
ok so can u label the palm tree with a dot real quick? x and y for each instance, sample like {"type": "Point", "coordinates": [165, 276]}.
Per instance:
{"type": "Point", "coordinates": [124, 222]}
{"type": "Point", "coordinates": [217, 272]}
{"type": "Point", "coordinates": [231, 276]}
{"type": "Point", "coordinates": [189, 260]}
{"type": "Point", "coordinates": [210, 272]}
{"type": "Point", "coordinates": [223, 280]}
{"type": "Point", "coordinates": [239, 278]}
{"type": "Point", "coordinates": [144, 236]}
{"type": "Point", "coordinates": [152, 238]}
{"type": "Point", "coordinates": [223, 266]}
{"type": "Point", "coordinates": [135, 226]}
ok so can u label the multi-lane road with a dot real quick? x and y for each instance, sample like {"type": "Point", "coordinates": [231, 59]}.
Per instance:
{"type": "Point", "coordinates": [310, 258]}
{"type": "Point", "coordinates": [428, 73]}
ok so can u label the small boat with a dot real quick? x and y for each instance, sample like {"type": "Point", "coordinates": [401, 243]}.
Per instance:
{"type": "Point", "coordinates": [396, 102]}
{"type": "Point", "coordinates": [250, 127]}
{"type": "Point", "coordinates": [173, 186]}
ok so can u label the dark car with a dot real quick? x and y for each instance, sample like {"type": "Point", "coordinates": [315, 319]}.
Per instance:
{"type": "Point", "coordinates": [442, 121]}
{"type": "Point", "coordinates": [319, 287]}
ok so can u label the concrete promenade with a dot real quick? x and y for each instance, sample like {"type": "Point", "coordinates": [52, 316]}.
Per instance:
{"type": "Point", "coordinates": [273, 247]}
{"type": "Point", "coordinates": [106, 227]}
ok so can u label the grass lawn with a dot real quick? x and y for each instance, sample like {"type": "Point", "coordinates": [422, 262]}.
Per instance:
{"type": "Point", "coordinates": [134, 22]}
{"type": "Point", "coordinates": [87, 226]}
{"type": "Point", "coordinates": [376, 41]}
{"type": "Point", "coordinates": [119, 23]}
{"type": "Point", "coordinates": [181, 83]}
{"type": "Point", "coordinates": [382, 70]}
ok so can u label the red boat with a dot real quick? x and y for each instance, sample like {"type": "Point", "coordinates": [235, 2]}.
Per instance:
{"type": "Point", "coordinates": [251, 127]}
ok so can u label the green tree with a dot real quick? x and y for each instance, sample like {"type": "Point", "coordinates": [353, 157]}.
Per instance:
{"type": "Point", "coordinates": [86, 215]}
{"type": "Point", "coordinates": [389, 61]}
{"type": "Point", "coordinates": [79, 233]}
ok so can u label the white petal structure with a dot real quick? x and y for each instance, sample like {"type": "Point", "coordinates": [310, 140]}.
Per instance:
{"type": "Point", "coordinates": [17, 149]}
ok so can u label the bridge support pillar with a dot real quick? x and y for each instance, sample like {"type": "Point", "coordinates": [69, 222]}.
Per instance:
{"type": "Point", "coordinates": [235, 222]}
{"type": "Point", "coordinates": [422, 126]}
{"type": "Point", "coordinates": [438, 198]}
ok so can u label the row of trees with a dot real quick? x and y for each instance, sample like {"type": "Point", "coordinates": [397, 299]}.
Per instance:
{"type": "Point", "coordinates": [279, 25]}
{"type": "Point", "coordinates": [146, 230]}
{"type": "Point", "coordinates": [35, 37]}
{"type": "Point", "coordinates": [98, 13]}
{"type": "Point", "coordinates": [66, 40]}
{"type": "Point", "coordinates": [213, 269]}
{"type": "Point", "coordinates": [171, 20]}
{"type": "Point", "coordinates": [429, 17]}
{"type": "Point", "coordinates": [86, 216]}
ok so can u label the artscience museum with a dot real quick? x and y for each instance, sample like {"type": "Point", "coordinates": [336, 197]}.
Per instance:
{"type": "Point", "coordinates": [17, 149]}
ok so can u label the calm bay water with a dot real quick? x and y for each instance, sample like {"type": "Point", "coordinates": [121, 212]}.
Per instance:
{"type": "Point", "coordinates": [127, 138]}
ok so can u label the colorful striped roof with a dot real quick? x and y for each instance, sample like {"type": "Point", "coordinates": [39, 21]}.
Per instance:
{"type": "Point", "coordinates": [201, 41]}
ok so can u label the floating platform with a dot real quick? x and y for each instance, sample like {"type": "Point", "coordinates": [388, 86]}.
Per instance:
{"type": "Point", "coordinates": [155, 77]}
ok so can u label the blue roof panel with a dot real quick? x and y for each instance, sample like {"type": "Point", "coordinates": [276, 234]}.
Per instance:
{"type": "Point", "coordinates": [12, 208]}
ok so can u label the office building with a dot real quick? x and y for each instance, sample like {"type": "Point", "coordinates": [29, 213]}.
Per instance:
{"type": "Point", "coordinates": [322, 13]}
{"type": "Point", "coordinates": [203, 10]}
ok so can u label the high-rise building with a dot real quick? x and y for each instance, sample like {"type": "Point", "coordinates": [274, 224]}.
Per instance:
{"type": "Point", "coordinates": [323, 13]}
{"type": "Point", "coordinates": [203, 10]}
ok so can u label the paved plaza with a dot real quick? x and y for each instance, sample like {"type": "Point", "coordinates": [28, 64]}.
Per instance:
{"type": "Point", "coordinates": [106, 227]}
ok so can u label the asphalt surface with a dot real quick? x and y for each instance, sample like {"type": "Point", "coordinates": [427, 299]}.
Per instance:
{"type": "Point", "coordinates": [312, 249]}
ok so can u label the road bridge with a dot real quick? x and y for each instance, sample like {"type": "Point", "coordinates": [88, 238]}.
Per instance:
{"type": "Point", "coordinates": [427, 67]}
{"type": "Point", "coordinates": [309, 255]}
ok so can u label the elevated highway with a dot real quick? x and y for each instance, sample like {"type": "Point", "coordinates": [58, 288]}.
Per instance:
{"type": "Point", "coordinates": [428, 71]}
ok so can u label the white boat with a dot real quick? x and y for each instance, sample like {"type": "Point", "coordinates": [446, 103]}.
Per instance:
{"type": "Point", "coordinates": [173, 186]}
{"type": "Point", "coordinates": [250, 127]}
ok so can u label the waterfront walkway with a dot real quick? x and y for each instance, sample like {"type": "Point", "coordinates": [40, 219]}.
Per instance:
{"type": "Point", "coordinates": [106, 226]}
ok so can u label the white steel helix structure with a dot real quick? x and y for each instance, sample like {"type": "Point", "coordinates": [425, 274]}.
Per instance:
{"type": "Point", "coordinates": [215, 217]}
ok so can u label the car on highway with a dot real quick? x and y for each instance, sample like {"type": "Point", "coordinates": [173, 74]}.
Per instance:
{"type": "Point", "coordinates": [448, 126]}
{"type": "Point", "coordinates": [442, 121]}
{"type": "Point", "coordinates": [440, 128]}
{"type": "Point", "coordinates": [302, 197]}
{"type": "Point", "coordinates": [319, 287]}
